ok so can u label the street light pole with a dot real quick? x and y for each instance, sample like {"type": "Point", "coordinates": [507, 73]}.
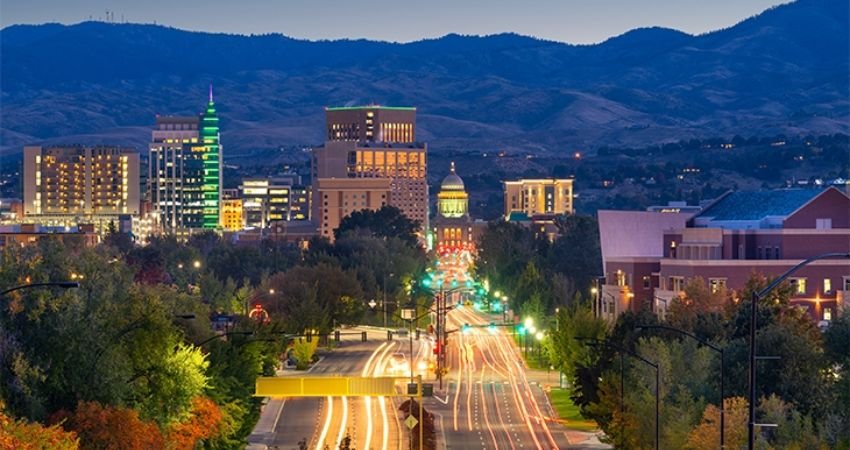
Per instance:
{"type": "Point", "coordinates": [751, 425]}
{"type": "Point", "coordinates": [60, 284]}
{"type": "Point", "coordinates": [719, 350]}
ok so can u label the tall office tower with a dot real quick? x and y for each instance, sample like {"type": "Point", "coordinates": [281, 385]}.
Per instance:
{"type": "Point", "coordinates": [184, 171]}
{"type": "Point", "coordinates": [212, 165]}
{"type": "Point", "coordinates": [68, 185]}
{"type": "Point", "coordinates": [381, 147]}
{"type": "Point", "coordinates": [371, 124]}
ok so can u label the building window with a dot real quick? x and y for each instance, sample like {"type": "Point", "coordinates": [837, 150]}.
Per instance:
{"type": "Point", "coordinates": [798, 285]}
{"type": "Point", "coordinates": [827, 314]}
{"type": "Point", "coordinates": [677, 283]}
{"type": "Point", "coordinates": [846, 283]}
{"type": "Point", "coordinates": [827, 285]}
{"type": "Point", "coordinates": [621, 278]}
{"type": "Point", "coordinates": [646, 282]}
{"type": "Point", "coordinates": [716, 284]}
{"type": "Point", "coordinates": [823, 224]}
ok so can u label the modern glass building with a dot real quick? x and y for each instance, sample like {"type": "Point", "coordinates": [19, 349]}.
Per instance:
{"type": "Point", "coordinates": [212, 165]}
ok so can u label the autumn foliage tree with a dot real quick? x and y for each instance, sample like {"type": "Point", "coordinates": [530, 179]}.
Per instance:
{"type": "Point", "coordinates": [204, 423]}
{"type": "Point", "coordinates": [23, 435]}
{"type": "Point", "coordinates": [108, 427]}
{"type": "Point", "coordinates": [706, 436]}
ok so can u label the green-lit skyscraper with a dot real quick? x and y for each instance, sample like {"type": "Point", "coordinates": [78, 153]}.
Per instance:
{"type": "Point", "coordinates": [212, 165]}
{"type": "Point", "coordinates": [185, 171]}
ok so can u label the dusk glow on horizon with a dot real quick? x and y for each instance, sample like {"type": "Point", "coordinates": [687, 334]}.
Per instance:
{"type": "Point", "coordinates": [571, 21]}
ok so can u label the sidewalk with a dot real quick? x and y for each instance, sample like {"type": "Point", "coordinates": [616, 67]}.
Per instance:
{"type": "Point", "coordinates": [544, 380]}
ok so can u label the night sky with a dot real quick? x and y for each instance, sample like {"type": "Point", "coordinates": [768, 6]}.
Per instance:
{"type": "Point", "coordinates": [573, 21]}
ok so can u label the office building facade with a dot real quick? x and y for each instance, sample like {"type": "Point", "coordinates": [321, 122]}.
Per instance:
{"type": "Point", "coordinates": [367, 161]}
{"type": "Point", "coordinates": [371, 123]}
{"type": "Point", "coordinates": [184, 171]}
{"type": "Point", "coordinates": [69, 185]}
{"type": "Point", "coordinates": [274, 198]}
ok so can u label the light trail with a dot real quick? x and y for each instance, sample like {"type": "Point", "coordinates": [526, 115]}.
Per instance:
{"type": "Point", "coordinates": [366, 370]}
{"type": "Point", "coordinates": [341, 435]}
{"type": "Point", "coordinates": [368, 400]}
{"type": "Point", "coordinates": [320, 445]}
{"type": "Point", "coordinates": [382, 402]}
{"type": "Point", "coordinates": [484, 410]}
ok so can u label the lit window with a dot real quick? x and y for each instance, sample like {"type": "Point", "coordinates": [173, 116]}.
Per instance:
{"type": "Point", "coordinates": [798, 285]}
{"type": "Point", "coordinates": [827, 285]}
{"type": "Point", "coordinates": [716, 284]}
{"type": "Point", "coordinates": [827, 314]}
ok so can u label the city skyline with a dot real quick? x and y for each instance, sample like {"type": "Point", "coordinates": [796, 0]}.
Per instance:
{"type": "Point", "coordinates": [574, 22]}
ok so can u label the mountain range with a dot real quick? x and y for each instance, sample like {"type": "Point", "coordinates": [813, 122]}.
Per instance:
{"type": "Point", "coordinates": [784, 71]}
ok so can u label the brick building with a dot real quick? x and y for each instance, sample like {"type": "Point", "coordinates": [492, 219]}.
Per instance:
{"type": "Point", "coordinates": [649, 257]}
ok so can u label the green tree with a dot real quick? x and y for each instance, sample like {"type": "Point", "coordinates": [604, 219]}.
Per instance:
{"type": "Point", "coordinates": [387, 222]}
{"type": "Point", "coordinates": [576, 252]}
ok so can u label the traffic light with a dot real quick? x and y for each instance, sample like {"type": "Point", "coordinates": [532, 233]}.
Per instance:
{"type": "Point", "coordinates": [466, 328]}
{"type": "Point", "coordinates": [492, 327]}
{"type": "Point", "coordinates": [437, 348]}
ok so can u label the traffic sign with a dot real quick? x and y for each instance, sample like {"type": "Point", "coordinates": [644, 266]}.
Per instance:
{"type": "Point", "coordinates": [411, 422]}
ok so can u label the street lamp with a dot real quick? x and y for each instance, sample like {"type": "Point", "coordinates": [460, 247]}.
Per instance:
{"type": "Point", "coordinates": [593, 341]}
{"type": "Point", "coordinates": [384, 301]}
{"type": "Point", "coordinates": [751, 425]}
{"type": "Point", "coordinates": [717, 349]}
{"type": "Point", "coordinates": [59, 284]}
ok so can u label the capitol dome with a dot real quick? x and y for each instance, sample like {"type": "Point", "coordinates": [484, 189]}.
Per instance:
{"type": "Point", "coordinates": [452, 182]}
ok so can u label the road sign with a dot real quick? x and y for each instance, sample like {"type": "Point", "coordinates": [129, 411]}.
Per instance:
{"type": "Point", "coordinates": [411, 422]}
{"type": "Point", "coordinates": [428, 390]}
{"type": "Point", "coordinates": [412, 389]}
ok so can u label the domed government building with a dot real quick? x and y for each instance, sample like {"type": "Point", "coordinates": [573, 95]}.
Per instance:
{"type": "Point", "coordinates": [453, 230]}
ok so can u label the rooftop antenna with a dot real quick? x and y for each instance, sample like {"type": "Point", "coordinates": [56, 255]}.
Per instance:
{"type": "Point", "coordinates": [211, 94]}
{"type": "Point", "coordinates": [453, 167]}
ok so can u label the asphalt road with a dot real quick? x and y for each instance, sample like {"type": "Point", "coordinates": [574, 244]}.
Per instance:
{"type": "Point", "coordinates": [490, 402]}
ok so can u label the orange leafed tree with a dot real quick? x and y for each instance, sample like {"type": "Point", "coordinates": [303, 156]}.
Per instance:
{"type": "Point", "coordinates": [20, 435]}
{"type": "Point", "coordinates": [706, 436]}
{"type": "Point", "coordinates": [203, 423]}
{"type": "Point", "coordinates": [106, 427]}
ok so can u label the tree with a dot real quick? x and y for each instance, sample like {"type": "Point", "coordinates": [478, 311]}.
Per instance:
{"type": "Point", "coordinates": [22, 435]}
{"type": "Point", "coordinates": [706, 435]}
{"type": "Point", "coordinates": [315, 298]}
{"type": "Point", "coordinates": [105, 427]}
{"type": "Point", "coordinates": [504, 250]}
{"type": "Point", "coordinates": [387, 222]}
{"type": "Point", "coordinates": [203, 423]}
{"type": "Point", "coordinates": [303, 351]}
{"type": "Point", "coordinates": [576, 253]}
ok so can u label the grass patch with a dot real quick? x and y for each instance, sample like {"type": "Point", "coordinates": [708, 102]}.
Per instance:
{"type": "Point", "coordinates": [569, 412]}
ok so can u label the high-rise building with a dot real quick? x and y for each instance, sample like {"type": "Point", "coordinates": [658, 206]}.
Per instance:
{"type": "Point", "coordinates": [339, 197]}
{"type": "Point", "coordinates": [536, 203]}
{"type": "Point", "coordinates": [68, 185]}
{"type": "Point", "coordinates": [371, 123]}
{"type": "Point", "coordinates": [212, 165]}
{"type": "Point", "coordinates": [280, 197]}
{"type": "Point", "coordinates": [370, 146]}
{"type": "Point", "coordinates": [549, 196]}
{"type": "Point", "coordinates": [184, 171]}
